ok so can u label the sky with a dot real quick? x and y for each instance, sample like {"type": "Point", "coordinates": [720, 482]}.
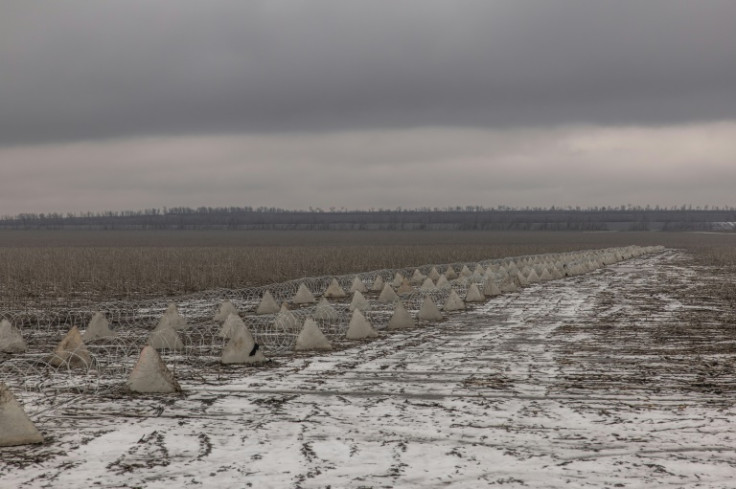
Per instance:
{"type": "Point", "coordinates": [135, 104]}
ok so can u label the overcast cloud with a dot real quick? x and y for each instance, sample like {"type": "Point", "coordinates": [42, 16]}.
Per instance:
{"type": "Point", "coordinates": [136, 104]}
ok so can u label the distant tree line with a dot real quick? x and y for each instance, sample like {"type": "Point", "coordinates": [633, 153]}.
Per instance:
{"type": "Point", "coordinates": [611, 218]}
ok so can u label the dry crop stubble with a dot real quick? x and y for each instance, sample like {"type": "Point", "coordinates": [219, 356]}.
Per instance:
{"type": "Point", "coordinates": [83, 267]}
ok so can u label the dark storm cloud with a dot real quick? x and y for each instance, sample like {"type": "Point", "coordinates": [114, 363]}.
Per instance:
{"type": "Point", "coordinates": [84, 70]}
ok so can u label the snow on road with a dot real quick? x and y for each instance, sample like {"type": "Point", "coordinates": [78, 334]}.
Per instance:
{"type": "Point", "coordinates": [593, 381]}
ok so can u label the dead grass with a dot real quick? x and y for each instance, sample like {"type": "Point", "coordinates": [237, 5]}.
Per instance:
{"type": "Point", "coordinates": [80, 267]}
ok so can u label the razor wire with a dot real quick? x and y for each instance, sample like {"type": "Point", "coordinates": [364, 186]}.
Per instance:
{"type": "Point", "coordinates": [111, 358]}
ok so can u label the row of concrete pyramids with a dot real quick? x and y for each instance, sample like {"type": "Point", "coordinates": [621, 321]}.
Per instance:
{"type": "Point", "coordinates": [11, 340]}
{"type": "Point", "coordinates": [242, 348]}
{"type": "Point", "coordinates": [151, 375]}
{"type": "Point", "coordinates": [70, 352]}
{"type": "Point", "coordinates": [522, 271]}
{"type": "Point", "coordinates": [497, 278]}
{"type": "Point", "coordinates": [311, 337]}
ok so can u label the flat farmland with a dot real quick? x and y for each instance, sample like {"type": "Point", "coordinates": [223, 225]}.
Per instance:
{"type": "Point", "coordinates": [77, 268]}
{"type": "Point", "coordinates": [622, 377]}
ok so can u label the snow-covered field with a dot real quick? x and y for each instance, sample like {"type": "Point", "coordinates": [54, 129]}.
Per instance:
{"type": "Point", "coordinates": [620, 378]}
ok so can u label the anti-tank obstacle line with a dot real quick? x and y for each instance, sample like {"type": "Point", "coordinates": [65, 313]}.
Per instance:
{"type": "Point", "coordinates": [192, 316]}
{"type": "Point", "coordinates": [497, 266]}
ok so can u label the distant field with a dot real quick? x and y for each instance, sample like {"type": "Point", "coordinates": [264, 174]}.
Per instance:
{"type": "Point", "coordinates": [78, 267]}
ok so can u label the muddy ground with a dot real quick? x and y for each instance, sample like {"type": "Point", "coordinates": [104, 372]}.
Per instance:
{"type": "Point", "coordinates": [620, 378]}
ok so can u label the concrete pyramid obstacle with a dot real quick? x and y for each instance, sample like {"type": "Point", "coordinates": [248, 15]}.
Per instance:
{"type": "Point", "coordinates": [177, 320]}
{"type": "Point", "coordinates": [401, 319]}
{"type": "Point", "coordinates": [465, 271]}
{"type": "Point", "coordinates": [532, 277]}
{"type": "Point", "coordinates": [231, 326]}
{"type": "Point", "coordinates": [359, 302]}
{"type": "Point", "coordinates": [15, 426]}
{"type": "Point", "coordinates": [442, 282]}
{"type": "Point", "coordinates": [311, 338]}
{"type": "Point", "coordinates": [521, 279]}
{"type": "Point", "coordinates": [429, 311]}
{"type": "Point", "coordinates": [473, 294]}
{"type": "Point", "coordinates": [71, 352]}
{"type": "Point", "coordinates": [241, 348]}
{"type": "Point", "coordinates": [490, 288]}
{"type": "Point", "coordinates": [475, 278]}
{"type": "Point", "coordinates": [450, 273]}
{"type": "Point", "coordinates": [417, 278]}
{"type": "Point", "coordinates": [359, 327]}
{"type": "Point", "coordinates": [434, 274]}
{"type": "Point", "coordinates": [325, 312]}
{"type": "Point", "coordinates": [231, 323]}
{"type": "Point", "coordinates": [226, 308]}
{"type": "Point", "coordinates": [461, 280]}
{"type": "Point", "coordinates": [150, 374]}
{"type": "Point", "coordinates": [166, 338]}
{"type": "Point", "coordinates": [303, 296]}
{"type": "Point", "coordinates": [453, 303]}
{"type": "Point", "coordinates": [546, 276]}
{"type": "Point", "coordinates": [387, 295]}
{"type": "Point", "coordinates": [11, 341]}
{"type": "Point", "coordinates": [285, 320]}
{"type": "Point", "coordinates": [398, 280]}
{"type": "Point", "coordinates": [358, 285]}
{"type": "Point", "coordinates": [98, 327]}
{"type": "Point", "coordinates": [478, 270]}
{"type": "Point", "coordinates": [172, 319]}
{"type": "Point", "coordinates": [334, 291]}
{"type": "Point", "coordinates": [377, 284]}
{"type": "Point", "coordinates": [428, 285]}
{"type": "Point", "coordinates": [498, 276]}
{"type": "Point", "coordinates": [268, 305]}
{"type": "Point", "coordinates": [496, 271]}
{"type": "Point", "coordinates": [405, 288]}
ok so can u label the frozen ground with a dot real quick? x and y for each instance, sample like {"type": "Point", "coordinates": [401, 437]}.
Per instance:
{"type": "Point", "coordinates": [620, 378]}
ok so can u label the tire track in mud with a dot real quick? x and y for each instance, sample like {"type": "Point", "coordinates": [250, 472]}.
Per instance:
{"type": "Point", "coordinates": [642, 337]}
